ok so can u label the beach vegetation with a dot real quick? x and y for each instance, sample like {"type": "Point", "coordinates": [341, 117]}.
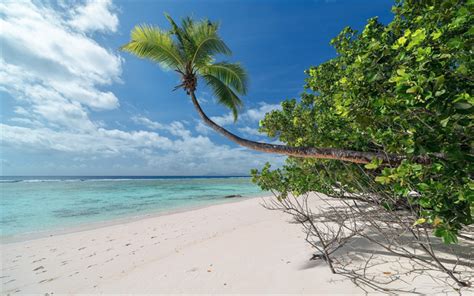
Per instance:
{"type": "Point", "coordinates": [404, 88]}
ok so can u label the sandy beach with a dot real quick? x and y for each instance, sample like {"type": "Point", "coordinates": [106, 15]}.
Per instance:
{"type": "Point", "coordinates": [238, 247]}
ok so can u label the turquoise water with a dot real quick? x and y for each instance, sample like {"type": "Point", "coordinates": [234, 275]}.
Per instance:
{"type": "Point", "coordinates": [32, 205]}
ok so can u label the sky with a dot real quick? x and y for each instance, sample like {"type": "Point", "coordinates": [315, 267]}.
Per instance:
{"type": "Point", "coordinates": [73, 104]}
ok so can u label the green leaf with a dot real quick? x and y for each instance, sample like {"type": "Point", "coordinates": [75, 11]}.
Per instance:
{"type": "Point", "coordinates": [444, 122]}
{"type": "Point", "coordinates": [413, 90]}
{"type": "Point", "coordinates": [230, 74]}
{"type": "Point", "coordinates": [462, 105]}
{"type": "Point", "coordinates": [154, 44]}
{"type": "Point", "coordinates": [382, 179]}
{"type": "Point", "coordinates": [416, 38]}
{"type": "Point", "coordinates": [225, 95]}
{"type": "Point", "coordinates": [371, 166]}
{"type": "Point", "coordinates": [419, 221]}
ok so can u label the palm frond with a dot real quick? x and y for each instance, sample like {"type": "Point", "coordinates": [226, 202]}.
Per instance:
{"type": "Point", "coordinates": [207, 43]}
{"type": "Point", "coordinates": [230, 74]}
{"type": "Point", "coordinates": [152, 43]}
{"type": "Point", "coordinates": [186, 42]}
{"type": "Point", "coordinates": [225, 95]}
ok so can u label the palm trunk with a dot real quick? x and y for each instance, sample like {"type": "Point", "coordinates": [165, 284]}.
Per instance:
{"type": "Point", "coordinates": [304, 152]}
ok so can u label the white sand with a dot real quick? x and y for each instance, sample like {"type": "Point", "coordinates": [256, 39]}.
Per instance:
{"type": "Point", "coordinates": [229, 248]}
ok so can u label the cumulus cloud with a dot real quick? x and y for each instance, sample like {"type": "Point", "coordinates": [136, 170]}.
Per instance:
{"type": "Point", "coordinates": [224, 119]}
{"type": "Point", "coordinates": [250, 115]}
{"type": "Point", "coordinates": [257, 114]}
{"type": "Point", "coordinates": [175, 128]}
{"type": "Point", "coordinates": [53, 70]}
{"type": "Point", "coordinates": [249, 131]}
{"type": "Point", "coordinates": [96, 15]}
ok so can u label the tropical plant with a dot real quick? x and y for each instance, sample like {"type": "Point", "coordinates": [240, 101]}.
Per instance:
{"type": "Point", "coordinates": [191, 50]}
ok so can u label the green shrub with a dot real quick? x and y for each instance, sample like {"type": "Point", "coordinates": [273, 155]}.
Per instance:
{"type": "Point", "coordinates": [405, 88]}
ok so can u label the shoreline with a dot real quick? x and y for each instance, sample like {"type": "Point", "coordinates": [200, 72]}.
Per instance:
{"type": "Point", "coordinates": [234, 247]}
{"type": "Point", "coordinates": [25, 237]}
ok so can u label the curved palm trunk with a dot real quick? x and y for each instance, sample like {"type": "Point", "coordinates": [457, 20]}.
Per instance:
{"type": "Point", "coordinates": [305, 152]}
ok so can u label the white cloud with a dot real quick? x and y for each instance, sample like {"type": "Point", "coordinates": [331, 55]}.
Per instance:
{"type": "Point", "coordinates": [202, 128]}
{"type": "Point", "coordinates": [96, 15]}
{"type": "Point", "coordinates": [257, 114]}
{"type": "Point", "coordinates": [148, 123]}
{"type": "Point", "coordinates": [175, 128]}
{"type": "Point", "coordinates": [249, 131]}
{"type": "Point", "coordinates": [223, 120]}
{"type": "Point", "coordinates": [186, 155]}
{"type": "Point", "coordinates": [251, 115]}
{"type": "Point", "coordinates": [54, 70]}
{"type": "Point", "coordinates": [100, 141]}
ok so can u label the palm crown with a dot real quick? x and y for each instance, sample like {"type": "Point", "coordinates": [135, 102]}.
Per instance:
{"type": "Point", "coordinates": [190, 50]}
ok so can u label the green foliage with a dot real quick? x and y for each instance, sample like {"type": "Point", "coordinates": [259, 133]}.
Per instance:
{"type": "Point", "coordinates": [190, 49]}
{"type": "Point", "coordinates": [405, 88]}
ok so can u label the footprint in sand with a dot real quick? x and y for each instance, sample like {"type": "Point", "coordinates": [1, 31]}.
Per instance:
{"type": "Point", "coordinates": [46, 281]}
{"type": "Point", "coordinates": [39, 260]}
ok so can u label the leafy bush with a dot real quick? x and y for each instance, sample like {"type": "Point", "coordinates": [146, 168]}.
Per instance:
{"type": "Point", "coordinates": [405, 88]}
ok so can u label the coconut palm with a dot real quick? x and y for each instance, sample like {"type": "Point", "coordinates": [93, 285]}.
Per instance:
{"type": "Point", "coordinates": [190, 49]}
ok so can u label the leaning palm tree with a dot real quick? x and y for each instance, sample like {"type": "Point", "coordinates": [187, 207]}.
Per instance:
{"type": "Point", "coordinates": [190, 50]}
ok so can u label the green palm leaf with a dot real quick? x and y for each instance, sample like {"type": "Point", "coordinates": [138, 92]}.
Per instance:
{"type": "Point", "coordinates": [225, 95]}
{"type": "Point", "coordinates": [207, 43]}
{"type": "Point", "coordinates": [230, 74]}
{"type": "Point", "coordinates": [154, 44]}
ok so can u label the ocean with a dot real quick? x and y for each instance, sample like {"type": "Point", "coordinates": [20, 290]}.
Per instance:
{"type": "Point", "coordinates": [35, 205]}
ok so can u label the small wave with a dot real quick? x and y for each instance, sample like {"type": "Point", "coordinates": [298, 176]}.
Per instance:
{"type": "Point", "coordinates": [65, 180]}
{"type": "Point", "coordinates": [111, 179]}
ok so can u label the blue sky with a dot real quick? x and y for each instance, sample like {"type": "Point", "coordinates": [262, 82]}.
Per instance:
{"type": "Point", "coordinates": [72, 104]}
